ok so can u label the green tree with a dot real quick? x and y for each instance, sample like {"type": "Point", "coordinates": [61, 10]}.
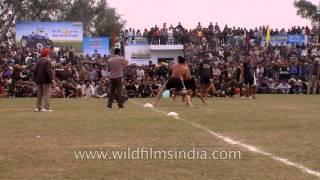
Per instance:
{"type": "Point", "coordinates": [81, 11]}
{"type": "Point", "coordinates": [307, 9]}
{"type": "Point", "coordinates": [103, 26]}
{"type": "Point", "coordinates": [98, 18]}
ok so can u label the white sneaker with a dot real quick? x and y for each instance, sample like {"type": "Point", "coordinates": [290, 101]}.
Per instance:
{"type": "Point", "coordinates": [36, 110]}
{"type": "Point", "coordinates": [46, 110]}
{"type": "Point", "coordinates": [250, 97]}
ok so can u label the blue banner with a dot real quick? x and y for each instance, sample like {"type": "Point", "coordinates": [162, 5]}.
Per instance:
{"type": "Point", "coordinates": [276, 40]}
{"type": "Point", "coordinates": [96, 46]}
{"type": "Point", "coordinates": [296, 39]}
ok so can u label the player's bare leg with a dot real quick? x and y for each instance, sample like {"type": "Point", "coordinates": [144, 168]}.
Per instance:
{"type": "Point", "coordinates": [203, 90]}
{"type": "Point", "coordinates": [253, 91]}
{"type": "Point", "coordinates": [248, 89]}
{"type": "Point", "coordinates": [159, 95]}
{"type": "Point", "coordinates": [174, 95]}
{"type": "Point", "coordinates": [198, 95]}
{"type": "Point", "coordinates": [206, 91]}
{"type": "Point", "coordinates": [188, 99]}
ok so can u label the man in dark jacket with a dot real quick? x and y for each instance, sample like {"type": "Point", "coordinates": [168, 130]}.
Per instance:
{"type": "Point", "coordinates": [314, 77]}
{"type": "Point", "coordinates": [43, 76]}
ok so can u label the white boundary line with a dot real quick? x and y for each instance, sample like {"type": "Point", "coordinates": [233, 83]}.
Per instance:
{"type": "Point", "coordinates": [249, 148]}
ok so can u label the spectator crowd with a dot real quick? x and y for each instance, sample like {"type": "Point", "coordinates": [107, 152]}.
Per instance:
{"type": "Point", "coordinates": [281, 68]}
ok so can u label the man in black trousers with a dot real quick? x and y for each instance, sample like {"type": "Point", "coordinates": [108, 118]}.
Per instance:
{"type": "Point", "coordinates": [116, 64]}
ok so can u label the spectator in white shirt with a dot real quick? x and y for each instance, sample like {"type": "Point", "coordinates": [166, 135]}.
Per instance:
{"type": "Point", "coordinates": [105, 73]}
{"type": "Point", "coordinates": [277, 52]}
{"type": "Point", "coordinates": [304, 52]}
{"type": "Point", "coordinates": [216, 71]}
{"type": "Point", "coordinates": [221, 53]}
{"type": "Point", "coordinates": [283, 87]}
{"type": "Point", "coordinates": [138, 34]}
{"type": "Point", "coordinates": [130, 33]}
{"type": "Point", "coordinates": [170, 35]}
{"type": "Point", "coordinates": [140, 74]}
{"type": "Point", "coordinates": [88, 89]}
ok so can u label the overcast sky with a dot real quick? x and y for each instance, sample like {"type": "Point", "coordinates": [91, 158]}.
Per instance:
{"type": "Point", "coordinates": [243, 13]}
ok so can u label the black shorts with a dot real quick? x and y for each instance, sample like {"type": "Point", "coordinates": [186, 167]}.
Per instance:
{"type": "Point", "coordinates": [249, 81]}
{"type": "Point", "coordinates": [205, 80]}
{"type": "Point", "coordinates": [190, 84]}
{"type": "Point", "coordinates": [174, 83]}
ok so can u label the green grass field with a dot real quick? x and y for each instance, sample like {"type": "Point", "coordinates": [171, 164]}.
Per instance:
{"type": "Point", "coordinates": [42, 145]}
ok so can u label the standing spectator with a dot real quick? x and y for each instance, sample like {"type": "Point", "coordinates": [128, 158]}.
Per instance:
{"type": "Point", "coordinates": [170, 35]}
{"type": "Point", "coordinates": [140, 74]}
{"type": "Point", "coordinates": [150, 36]}
{"type": "Point", "coordinates": [130, 35]}
{"type": "Point", "coordinates": [43, 77]}
{"type": "Point", "coordinates": [314, 77]}
{"type": "Point", "coordinates": [104, 72]}
{"type": "Point", "coordinates": [276, 71]}
{"type": "Point", "coordinates": [302, 70]}
{"type": "Point", "coordinates": [138, 34]}
{"type": "Point", "coordinates": [145, 33]}
{"type": "Point", "coordinates": [156, 35]}
{"type": "Point", "coordinates": [116, 65]}
{"type": "Point", "coordinates": [93, 75]}
{"type": "Point", "coordinates": [292, 70]}
{"type": "Point", "coordinates": [163, 36]}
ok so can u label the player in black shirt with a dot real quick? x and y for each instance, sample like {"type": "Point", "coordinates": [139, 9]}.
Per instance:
{"type": "Point", "coordinates": [205, 73]}
{"type": "Point", "coordinates": [247, 75]}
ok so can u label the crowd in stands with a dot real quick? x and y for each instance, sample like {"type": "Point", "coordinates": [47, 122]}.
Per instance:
{"type": "Point", "coordinates": [284, 69]}
{"type": "Point", "coordinates": [75, 75]}
{"type": "Point", "coordinates": [213, 34]}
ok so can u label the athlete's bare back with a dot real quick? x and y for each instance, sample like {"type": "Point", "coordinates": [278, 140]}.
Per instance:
{"type": "Point", "coordinates": [180, 70]}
